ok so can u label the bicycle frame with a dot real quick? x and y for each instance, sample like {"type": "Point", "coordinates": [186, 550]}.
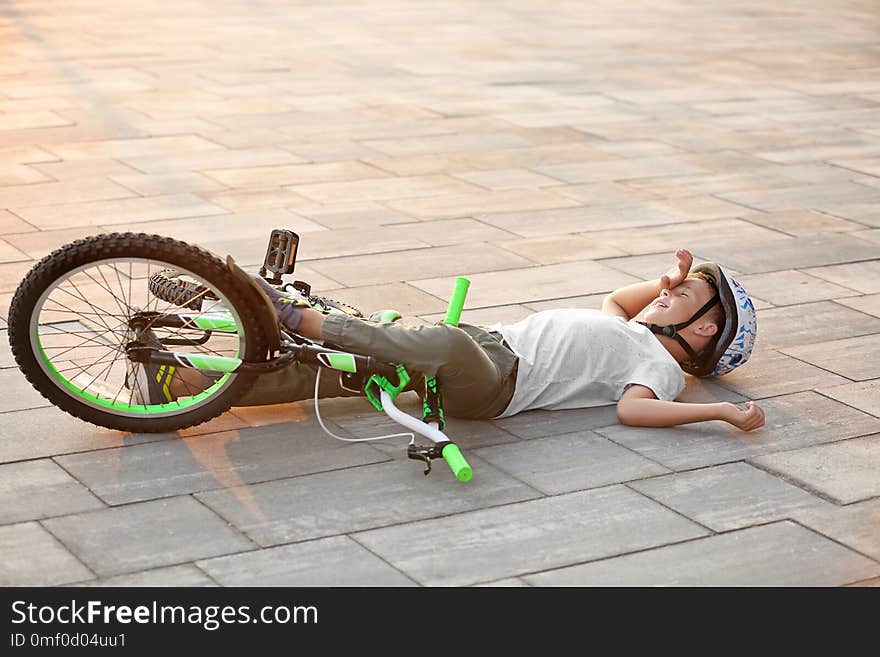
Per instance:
{"type": "Point", "coordinates": [380, 389]}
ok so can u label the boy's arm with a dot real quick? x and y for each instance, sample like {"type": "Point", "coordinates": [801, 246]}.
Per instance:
{"type": "Point", "coordinates": [639, 407]}
{"type": "Point", "coordinates": [627, 302]}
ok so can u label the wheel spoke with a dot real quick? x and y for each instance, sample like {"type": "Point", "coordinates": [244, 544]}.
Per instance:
{"type": "Point", "coordinates": [84, 322]}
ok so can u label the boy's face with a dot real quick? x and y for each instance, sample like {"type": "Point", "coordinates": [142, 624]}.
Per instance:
{"type": "Point", "coordinates": [680, 303]}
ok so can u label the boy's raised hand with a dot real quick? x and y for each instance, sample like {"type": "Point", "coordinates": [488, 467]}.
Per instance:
{"type": "Point", "coordinates": [746, 419]}
{"type": "Point", "coordinates": [679, 271]}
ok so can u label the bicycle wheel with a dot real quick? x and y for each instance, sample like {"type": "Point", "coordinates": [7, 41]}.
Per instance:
{"type": "Point", "coordinates": [76, 310]}
{"type": "Point", "coordinates": [175, 287]}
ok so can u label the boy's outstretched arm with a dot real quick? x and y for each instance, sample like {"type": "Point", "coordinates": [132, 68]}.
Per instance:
{"type": "Point", "coordinates": [639, 407]}
{"type": "Point", "coordinates": [629, 301]}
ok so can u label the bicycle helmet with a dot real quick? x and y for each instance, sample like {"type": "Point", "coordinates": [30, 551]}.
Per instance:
{"type": "Point", "coordinates": [735, 340]}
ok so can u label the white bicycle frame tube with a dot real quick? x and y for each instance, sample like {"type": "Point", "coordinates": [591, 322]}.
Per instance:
{"type": "Point", "coordinates": [414, 424]}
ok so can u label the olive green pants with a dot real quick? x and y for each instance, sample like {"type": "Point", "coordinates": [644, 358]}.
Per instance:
{"type": "Point", "coordinates": [476, 372]}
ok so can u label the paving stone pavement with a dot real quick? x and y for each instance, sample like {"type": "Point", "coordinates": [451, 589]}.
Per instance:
{"type": "Point", "coordinates": [548, 152]}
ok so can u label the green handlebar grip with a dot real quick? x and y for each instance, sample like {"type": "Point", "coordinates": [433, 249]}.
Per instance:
{"type": "Point", "coordinates": [456, 461]}
{"type": "Point", "coordinates": [456, 302]}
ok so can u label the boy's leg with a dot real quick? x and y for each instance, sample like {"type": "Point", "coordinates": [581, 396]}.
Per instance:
{"type": "Point", "coordinates": [476, 380]}
{"type": "Point", "coordinates": [473, 383]}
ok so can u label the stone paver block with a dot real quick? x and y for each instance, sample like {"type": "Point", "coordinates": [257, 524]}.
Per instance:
{"type": "Point", "coordinates": [179, 576]}
{"type": "Point", "coordinates": [781, 554]}
{"type": "Point", "coordinates": [531, 283]}
{"type": "Point", "coordinates": [9, 253]}
{"type": "Point", "coordinates": [40, 489]}
{"type": "Point", "coordinates": [255, 199]}
{"type": "Point", "coordinates": [706, 207]}
{"type": "Point", "coordinates": [729, 496]}
{"type": "Point", "coordinates": [619, 169]}
{"type": "Point", "coordinates": [814, 197]}
{"type": "Point", "coordinates": [31, 556]}
{"type": "Point", "coordinates": [870, 304]}
{"type": "Point", "coordinates": [21, 198]}
{"type": "Point", "coordinates": [147, 535]}
{"type": "Point", "coordinates": [693, 235]}
{"type": "Point", "coordinates": [786, 288]}
{"type": "Point", "coordinates": [6, 358]}
{"type": "Point", "coordinates": [41, 432]}
{"type": "Point", "coordinates": [869, 234]}
{"type": "Point", "coordinates": [855, 358]}
{"type": "Point", "coordinates": [570, 462]}
{"type": "Point", "coordinates": [802, 222]}
{"type": "Point", "coordinates": [446, 143]}
{"type": "Point", "coordinates": [792, 421]}
{"type": "Point", "coordinates": [861, 276]}
{"type": "Point", "coordinates": [354, 241]}
{"type": "Point", "coordinates": [380, 188]}
{"type": "Point", "coordinates": [213, 160]}
{"type": "Point", "coordinates": [167, 183]}
{"type": "Point", "coordinates": [823, 321]}
{"type": "Point", "coordinates": [506, 179]}
{"type": "Point", "coordinates": [864, 213]}
{"type": "Point", "coordinates": [794, 253]}
{"type": "Point", "coordinates": [335, 561]}
{"type": "Point", "coordinates": [343, 216]}
{"type": "Point", "coordinates": [846, 471]}
{"type": "Point", "coordinates": [486, 316]}
{"type": "Point", "coordinates": [864, 396]}
{"type": "Point", "coordinates": [20, 174]}
{"type": "Point", "coordinates": [294, 174]}
{"type": "Point", "coordinates": [553, 249]}
{"type": "Point", "coordinates": [540, 423]}
{"type": "Point", "coordinates": [78, 169]}
{"type": "Point", "coordinates": [38, 244]}
{"type": "Point", "coordinates": [120, 211]}
{"type": "Point", "coordinates": [151, 147]}
{"type": "Point", "coordinates": [869, 165]}
{"type": "Point", "coordinates": [10, 223]}
{"type": "Point", "coordinates": [19, 393]}
{"type": "Point", "coordinates": [519, 538]}
{"type": "Point", "coordinates": [590, 301]}
{"type": "Point", "coordinates": [608, 193]}
{"type": "Point", "coordinates": [254, 226]}
{"type": "Point", "coordinates": [457, 260]}
{"type": "Point", "coordinates": [361, 498]}
{"type": "Point", "coordinates": [331, 151]}
{"type": "Point", "coordinates": [480, 203]}
{"type": "Point", "coordinates": [770, 373]}
{"type": "Point", "coordinates": [562, 221]}
{"type": "Point", "coordinates": [856, 525]}
{"type": "Point", "coordinates": [228, 459]}
{"type": "Point", "coordinates": [445, 232]}
{"type": "Point", "coordinates": [406, 298]}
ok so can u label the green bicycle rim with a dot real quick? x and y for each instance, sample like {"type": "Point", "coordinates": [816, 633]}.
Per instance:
{"type": "Point", "coordinates": [124, 408]}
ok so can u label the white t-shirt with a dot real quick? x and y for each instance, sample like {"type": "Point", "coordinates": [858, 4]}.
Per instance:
{"type": "Point", "coordinates": [576, 358]}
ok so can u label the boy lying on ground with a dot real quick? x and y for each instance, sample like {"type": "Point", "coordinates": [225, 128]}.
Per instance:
{"type": "Point", "coordinates": [701, 322]}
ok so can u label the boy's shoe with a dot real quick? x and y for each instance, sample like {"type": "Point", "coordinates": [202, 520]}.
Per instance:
{"type": "Point", "coordinates": [287, 305]}
{"type": "Point", "coordinates": [150, 383]}
{"type": "Point", "coordinates": [385, 316]}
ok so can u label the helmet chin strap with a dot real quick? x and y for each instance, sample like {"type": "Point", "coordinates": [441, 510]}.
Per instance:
{"type": "Point", "coordinates": [671, 330]}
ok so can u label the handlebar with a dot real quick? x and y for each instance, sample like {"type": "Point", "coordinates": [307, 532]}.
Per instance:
{"type": "Point", "coordinates": [457, 462]}
{"type": "Point", "coordinates": [451, 454]}
{"type": "Point", "coordinates": [456, 301]}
